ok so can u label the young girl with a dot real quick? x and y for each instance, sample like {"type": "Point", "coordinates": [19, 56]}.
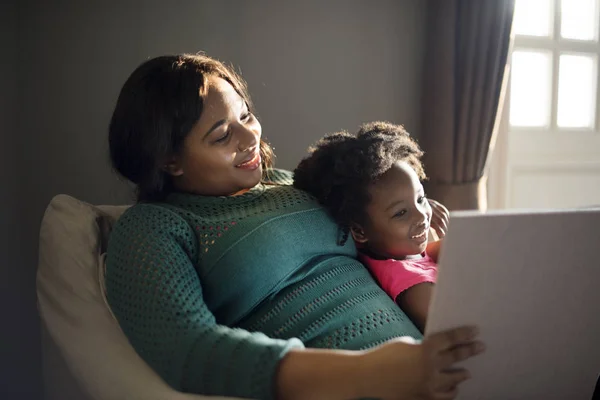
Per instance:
{"type": "Point", "coordinates": [371, 184]}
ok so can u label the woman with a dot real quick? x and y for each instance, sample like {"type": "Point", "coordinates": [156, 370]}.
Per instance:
{"type": "Point", "coordinates": [222, 273]}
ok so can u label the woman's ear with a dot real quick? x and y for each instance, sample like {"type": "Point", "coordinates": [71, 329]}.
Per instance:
{"type": "Point", "coordinates": [173, 167]}
{"type": "Point", "coordinates": [358, 233]}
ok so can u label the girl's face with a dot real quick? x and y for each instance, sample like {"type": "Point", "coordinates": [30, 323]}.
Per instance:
{"type": "Point", "coordinates": [221, 155]}
{"type": "Point", "coordinates": [398, 215]}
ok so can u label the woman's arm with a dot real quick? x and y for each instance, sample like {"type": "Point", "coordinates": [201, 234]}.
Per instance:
{"type": "Point", "coordinates": [319, 374]}
{"type": "Point", "coordinates": [156, 295]}
{"type": "Point", "coordinates": [398, 369]}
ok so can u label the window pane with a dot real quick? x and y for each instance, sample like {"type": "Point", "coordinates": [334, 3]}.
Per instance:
{"type": "Point", "coordinates": [533, 17]}
{"type": "Point", "coordinates": [576, 91]}
{"type": "Point", "coordinates": [530, 88]}
{"type": "Point", "coordinates": [579, 19]}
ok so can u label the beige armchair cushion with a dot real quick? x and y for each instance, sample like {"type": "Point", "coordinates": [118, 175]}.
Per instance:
{"type": "Point", "coordinates": [78, 325]}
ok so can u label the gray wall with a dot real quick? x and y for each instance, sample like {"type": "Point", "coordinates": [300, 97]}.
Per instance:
{"type": "Point", "coordinates": [19, 333]}
{"type": "Point", "coordinates": [312, 67]}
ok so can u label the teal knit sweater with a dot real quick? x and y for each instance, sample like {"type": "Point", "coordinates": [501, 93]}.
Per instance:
{"type": "Point", "coordinates": [213, 291]}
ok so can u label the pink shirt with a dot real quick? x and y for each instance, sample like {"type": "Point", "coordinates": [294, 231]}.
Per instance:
{"type": "Point", "coordinates": [395, 276]}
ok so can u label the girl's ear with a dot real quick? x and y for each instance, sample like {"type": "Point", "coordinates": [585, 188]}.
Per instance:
{"type": "Point", "coordinates": [358, 233]}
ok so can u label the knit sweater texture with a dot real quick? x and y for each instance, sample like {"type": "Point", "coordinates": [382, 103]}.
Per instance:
{"type": "Point", "coordinates": [212, 292]}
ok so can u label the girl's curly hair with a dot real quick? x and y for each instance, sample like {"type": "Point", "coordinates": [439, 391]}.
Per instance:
{"type": "Point", "coordinates": [341, 166]}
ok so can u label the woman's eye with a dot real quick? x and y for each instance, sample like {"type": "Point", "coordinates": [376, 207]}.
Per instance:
{"type": "Point", "coordinates": [246, 116]}
{"type": "Point", "coordinates": [421, 199]}
{"type": "Point", "coordinates": [223, 138]}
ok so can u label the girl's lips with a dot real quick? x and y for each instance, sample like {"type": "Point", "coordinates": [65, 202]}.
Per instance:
{"type": "Point", "coordinates": [422, 236]}
{"type": "Point", "coordinates": [251, 163]}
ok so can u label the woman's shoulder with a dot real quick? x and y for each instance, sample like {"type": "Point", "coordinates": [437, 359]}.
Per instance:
{"type": "Point", "coordinates": [279, 176]}
{"type": "Point", "coordinates": [150, 219]}
{"type": "Point", "coordinates": [151, 227]}
{"type": "Point", "coordinates": [148, 210]}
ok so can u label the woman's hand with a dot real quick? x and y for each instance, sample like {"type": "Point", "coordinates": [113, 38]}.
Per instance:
{"type": "Point", "coordinates": [439, 218]}
{"type": "Point", "coordinates": [404, 369]}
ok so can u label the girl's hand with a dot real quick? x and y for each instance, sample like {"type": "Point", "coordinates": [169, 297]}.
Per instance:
{"type": "Point", "coordinates": [433, 250]}
{"type": "Point", "coordinates": [404, 369]}
{"type": "Point", "coordinates": [439, 218]}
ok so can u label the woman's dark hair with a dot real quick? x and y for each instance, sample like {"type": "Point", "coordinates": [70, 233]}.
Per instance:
{"type": "Point", "coordinates": [341, 166]}
{"type": "Point", "coordinates": [157, 107]}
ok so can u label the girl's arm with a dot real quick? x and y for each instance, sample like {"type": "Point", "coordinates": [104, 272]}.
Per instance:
{"type": "Point", "coordinates": [414, 301]}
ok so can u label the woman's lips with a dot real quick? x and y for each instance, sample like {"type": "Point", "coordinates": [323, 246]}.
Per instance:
{"type": "Point", "coordinates": [251, 163]}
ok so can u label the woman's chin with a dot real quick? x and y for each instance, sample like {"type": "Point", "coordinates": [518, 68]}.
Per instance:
{"type": "Point", "coordinates": [249, 178]}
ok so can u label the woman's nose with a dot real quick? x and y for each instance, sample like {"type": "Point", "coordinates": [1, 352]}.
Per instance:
{"type": "Point", "coordinates": [247, 138]}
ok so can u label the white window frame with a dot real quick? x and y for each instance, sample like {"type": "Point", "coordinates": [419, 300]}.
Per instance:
{"type": "Point", "coordinates": [566, 147]}
{"type": "Point", "coordinates": [557, 46]}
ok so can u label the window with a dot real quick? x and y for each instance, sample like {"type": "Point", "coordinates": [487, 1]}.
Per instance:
{"type": "Point", "coordinates": [554, 64]}
{"type": "Point", "coordinates": [549, 146]}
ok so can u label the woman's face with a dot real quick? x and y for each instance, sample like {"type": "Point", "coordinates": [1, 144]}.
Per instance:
{"type": "Point", "coordinates": [221, 155]}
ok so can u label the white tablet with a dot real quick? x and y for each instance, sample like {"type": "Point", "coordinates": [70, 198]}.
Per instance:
{"type": "Point", "coordinates": [531, 282]}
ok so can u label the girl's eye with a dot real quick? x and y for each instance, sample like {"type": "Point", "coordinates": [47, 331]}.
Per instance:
{"type": "Point", "coordinates": [400, 213]}
{"type": "Point", "coordinates": [246, 116]}
{"type": "Point", "coordinates": [421, 199]}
